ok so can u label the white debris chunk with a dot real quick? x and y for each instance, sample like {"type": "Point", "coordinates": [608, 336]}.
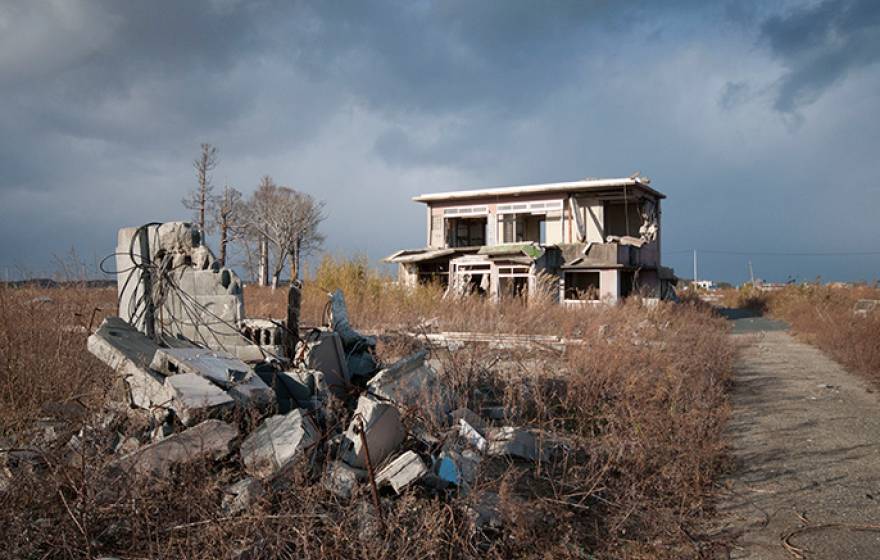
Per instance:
{"type": "Point", "coordinates": [383, 430]}
{"type": "Point", "coordinates": [194, 397]}
{"type": "Point", "coordinates": [129, 352]}
{"type": "Point", "coordinates": [472, 435]}
{"type": "Point", "coordinates": [402, 471]}
{"type": "Point", "coordinates": [517, 442]}
{"type": "Point", "coordinates": [411, 382]}
{"type": "Point", "coordinates": [241, 496]}
{"type": "Point", "coordinates": [210, 439]}
{"type": "Point", "coordinates": [278, 443]}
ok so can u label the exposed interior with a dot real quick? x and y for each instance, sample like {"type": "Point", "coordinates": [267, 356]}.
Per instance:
{"type": "Point", "coordinates": [582, 285]}
{"type": "Point", "coordinates": [466, 232]}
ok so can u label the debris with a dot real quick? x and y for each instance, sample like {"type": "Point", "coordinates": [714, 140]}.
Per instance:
{"type": "Point", "coordinates": [217, 367]}
{"type": "Point", "coordinates": [210, 439]}
{"type": "Point", "coordinates": [194, 397]}
{"type": "Point", "coordinates": [383, 430]}
{"type": "Point", "coordinates": [411, 383]}
{"type": "Point", "coordinates": [473, 436]}
{"type": "Point", "coordinates": [126, 445]}
{"type": "Point", "coordinates": [517, 442]}
{"type": "Point", "coordinates": [402, 471]}
{"type": "Point", "coordinates": [468, 416]}
{"type": "Point", "coordinates": [278, 443]}
{"type": "Point", "coordinates": [241, 496]}
{"type": "Point", "coordinates": [323, 352]}
{"type": "Point", "coordinates": [358, 348]}
{"type": "Point", "coordinates": [485, 512]}
{"type": "Point", "coordinates": [342, 479]}
{"type": "Point", "coordinates": [129, 353]}
{"type": "Point", "coordinates": [458, 468]}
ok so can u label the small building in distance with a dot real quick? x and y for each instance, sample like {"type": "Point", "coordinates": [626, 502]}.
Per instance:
{"type": "Point", "coordinates": [586, 241]}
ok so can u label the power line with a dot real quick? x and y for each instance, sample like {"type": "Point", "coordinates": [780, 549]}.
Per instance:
{"type": "Point", "coordinates": [777, 253]}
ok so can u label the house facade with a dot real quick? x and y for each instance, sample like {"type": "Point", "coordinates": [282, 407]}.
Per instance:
{"type": "Point", "coordinates": [585, 241]}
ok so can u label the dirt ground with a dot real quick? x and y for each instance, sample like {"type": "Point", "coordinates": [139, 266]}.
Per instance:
{"type": "Point", "coordinates": [805, 436]}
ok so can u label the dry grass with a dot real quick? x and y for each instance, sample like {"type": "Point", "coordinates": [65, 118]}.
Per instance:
{"type": "Point", "coordinates": [823, 316]}
{"type": "Point", "coordinates": [640, 407]}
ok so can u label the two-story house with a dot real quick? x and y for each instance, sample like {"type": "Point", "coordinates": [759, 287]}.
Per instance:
{"type": "Point", "coordinates": [589, 241]}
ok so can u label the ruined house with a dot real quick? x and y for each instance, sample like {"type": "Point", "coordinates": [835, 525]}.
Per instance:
{"type": "Point", "coordinates": [584, 241]}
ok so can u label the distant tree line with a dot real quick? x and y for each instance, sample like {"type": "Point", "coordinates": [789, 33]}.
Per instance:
{"type": "Point", "coordinates": [276, 227]}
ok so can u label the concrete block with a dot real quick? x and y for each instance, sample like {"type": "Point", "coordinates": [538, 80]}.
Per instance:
{"type": "Point", "coordinates": [194, 397]}
{"type": "Point", "coordinates": [402, 471]}
{"type": "Point", "coordinates": [411, 383]}
{"type": "Point", "coordinates": [129, 353]}
{"type": "Point", "coordinates": [252, 391]}
{"type": "Point", "coordinates": [212, 439]}
{"type": "Point", "coordinates": [278, 443]}
{"type": "Point", "coordinates": [382, 427]}
{"type": "Point", "coordinates": [242, 495]}
{"type": "Point", "coordinates": [516, 442]}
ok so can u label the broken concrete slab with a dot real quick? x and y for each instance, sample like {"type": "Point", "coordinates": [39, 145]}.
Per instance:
{"type": "Point", "coordinates": [278, 443]}
{"type": "Point", "coordinates": [212, 439]}
{"type": "Point", "coordinates": [242, 495]}
{"type": "Point", "coordinates": [252, 391]}
{"type": "Point", "coordinates": [402, 471]}
{"type": "Point", "coordinates": [220, 368]}
{"type": "Point", "coordinates": [341, 479]}
{"type": "Point", "coordinates": [129, 353]}
{"type": "Point", "coordinates": [516, 442]}
{"type": "Point", "coordinates": [412, 383]}
{"type": "Point", "coordinates": [383, 430]}
{"type": "Point", "coordinates": [323, 351]}
{"type": "Point", "coordinates": [194, 397]}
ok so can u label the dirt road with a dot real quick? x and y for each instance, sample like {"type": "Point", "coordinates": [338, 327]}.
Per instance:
{"type": "Point", "coordinates": [805, 435]}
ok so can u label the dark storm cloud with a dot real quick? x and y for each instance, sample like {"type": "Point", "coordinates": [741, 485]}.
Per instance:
{"type": "Point", "coordinates": [364, 104]}
{"type": "Point", "coordinates": [820, 45]}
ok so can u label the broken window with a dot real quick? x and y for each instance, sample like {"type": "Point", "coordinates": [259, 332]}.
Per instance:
{"type": "Point", "coordinates": [622, 219]}
{"type": "Point", "coordinates": [466, 232]}
{"type": "Point", "coordinates": [521, 228]}
{"type": "Point", "coordinates": [513, 280]}
{"type": "Point", "coordinates": [582, 285]}
{"type": "Point", "coordinates": [434, 273]}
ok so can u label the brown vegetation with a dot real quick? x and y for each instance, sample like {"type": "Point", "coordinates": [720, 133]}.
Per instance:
{"type": "Point", "coordinates": [824, 316]}
{"type": "Point", "coordinates": [640, 407]}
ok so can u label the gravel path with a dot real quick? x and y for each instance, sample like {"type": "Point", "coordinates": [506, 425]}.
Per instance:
{"type": "Point", "coordinates": [805, 437]}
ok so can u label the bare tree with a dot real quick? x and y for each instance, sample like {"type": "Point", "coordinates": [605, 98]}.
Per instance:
{"type": "Point", "coordinates": [227, 211]}
{"type": "Point", "coordinates": [199, 199]}
{"type": "Point", "coordinates": [287, 220]}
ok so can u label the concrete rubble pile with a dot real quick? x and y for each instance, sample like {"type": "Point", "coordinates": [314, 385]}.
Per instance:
{"type": "Point", "coordinates": [324, 404]}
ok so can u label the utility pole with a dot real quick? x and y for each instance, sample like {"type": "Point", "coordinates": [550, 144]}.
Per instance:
{"type": "Point", "coordinates": [695, 266]}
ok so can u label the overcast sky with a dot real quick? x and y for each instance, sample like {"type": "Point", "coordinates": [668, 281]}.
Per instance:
{"type": "Point", "coordinates": [759, 122]}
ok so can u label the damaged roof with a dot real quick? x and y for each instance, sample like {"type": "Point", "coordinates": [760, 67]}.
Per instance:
{"type": "Point", "coordinates": [421, 255]}
{"type": "Point", "coordinates": [570, 186]}
{"type": "Point", "coordinates": [531, 250]}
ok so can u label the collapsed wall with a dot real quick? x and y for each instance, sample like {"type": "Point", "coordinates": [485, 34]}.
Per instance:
{"type": "Point", "coordinates": [170, 285]}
